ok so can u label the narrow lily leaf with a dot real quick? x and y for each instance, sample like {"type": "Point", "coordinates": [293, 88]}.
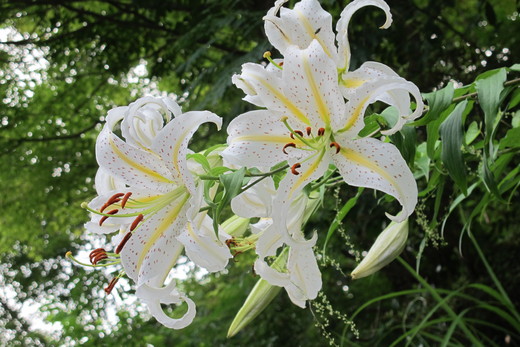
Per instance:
{"type": "Point", "coordinates": [489, 88]}
{"type": "Point", "coordinates": [452, 139]}
{"type": "Point", "coordinates": [232, 183]}
{"type": "Point", "coordinates": [472, 133]}
{"type": "Point", "coordinates": [489, 179]}
{"type": "Point", "coordinates": [405, 141]}
{"type": "Point", "coordinates": [438, 101]}
{"type": "Point", "coordinates": [201, 159]}
{"type": "Point", "coordinates": [512, 139]}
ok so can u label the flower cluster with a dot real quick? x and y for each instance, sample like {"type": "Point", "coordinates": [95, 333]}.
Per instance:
{"type": "Point", "coordinates": [160, 199]}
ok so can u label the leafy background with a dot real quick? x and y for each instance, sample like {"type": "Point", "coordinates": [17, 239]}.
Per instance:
{"type": "Point", "coordinates": [64, 64]}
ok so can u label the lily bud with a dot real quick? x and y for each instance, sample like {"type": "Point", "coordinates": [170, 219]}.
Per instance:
{"type": "Point", "coordinates": [260, 297]}
{"type": "Point", "coordinates": [389, 244]}
{"type": "Point", "coordinates": [235, 226]}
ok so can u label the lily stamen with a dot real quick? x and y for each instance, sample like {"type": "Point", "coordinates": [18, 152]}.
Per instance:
{"type": "Point", "coordinates": [267, 55]}
{"type": "Point", "coordinates": [308, 130]}
{"type": "Point", "coordinates": [294, 167]}
{"type": "Point", "coordinates": [335, 144]}
{"type": "Point", "coordinates": [321, 131]}
{"type": "Point", "coordinates": [136, 221]}
{"type": "Point", "coordinates": [290, 144]}
{"type": "Point", "coordinates": [97, 255]}
{"type": "Point", "coordinates": [296, 132]}
{"type": "Point", "coordinates": [111, 285]}
{"type": "Point", "coordinates": [123, 242]}
{"type": "Point", "coordinates": [104, 218]}
{"type": "Point", "coordinates": [125, 199]}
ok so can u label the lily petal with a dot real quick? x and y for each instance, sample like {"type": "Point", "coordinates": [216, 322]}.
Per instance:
{"type": "Point", "coordinates": [132, 165]}
{"type": "Point", "coordinates": [202, 245]}
{"type": "Point", "coordinates": [153, 297]}
{"type": "Point", "coordinates": [268, 86]}
{"type": "Point", "coordinates": [256, 201]}
{"type": "Point", "coordinates": [171, 143]}
{"type": "Point", "coordinates": [343, 22]}
{"type": "Point", "coordinates": [305, 275]}
{"type": "Point", "coordinates": [392, 90]}
{"type": "Point", "coordinates": [299, 26]}
{"type": "Point", "coordinates": [311, 82]}
{"type": "Point", "coordinates": [289, 188]}
{"type": "Point", "coordinates": [257, 139]}
{"type": "Point", "coordinates": [374, 164]}
{"type": "Point", "coordinates": [152, 250]}
{"type": "Point", "coordinates": [104, 182]}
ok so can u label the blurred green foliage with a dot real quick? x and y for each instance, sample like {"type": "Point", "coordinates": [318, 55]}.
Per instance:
{"type": "Point", "coordinates": [64, 64]}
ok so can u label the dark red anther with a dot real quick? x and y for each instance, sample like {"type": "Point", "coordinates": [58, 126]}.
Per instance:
{"type": "Point", "coordinates": [335, 144]}
{"type": "Point", "coordinates": [104, 218]}
{"type": "Point", "coordinates": [125, 199]}
{"type": "Point", "coordinates": [290, 144]}
{"type": "Point", "coordinates": [123, 242]}
{"type": "Point", "coordinates": [96, 253]}
{"type": "Point", "coordinates": [136, 221]}
{"type": "Point", "coordinates": [308, 130]}
{"type": "Point", "coordinates": [103, 207]}
{"type": "Point", "coordinates": [111, 285]}
{"type": "Point", "coordinates": [115, 197]}
{"type": "Point", "coordinates": [296, 132]}
{"type": "Point", "coordinates": [231, 242]}
{"type": "Point", "coordinates": [281, 63]}
{"type": "Point", "coordinates": [294, 167]}
{"type": "Point", "coordinates": [321, 131]}
{"type": "Point", "coordinates": [96, 259]}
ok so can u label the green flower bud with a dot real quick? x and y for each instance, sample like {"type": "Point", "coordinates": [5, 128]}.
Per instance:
{"type": "Point", "coordinates": [389, 244]}
{"type": "Point", "coordinates": [260, 297]}
{"type": "Point", "coordinates": [235, 226]}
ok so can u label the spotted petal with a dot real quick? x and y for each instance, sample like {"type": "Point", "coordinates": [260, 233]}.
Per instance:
{"type": "Point", "coordinates": [311, 82]}
{"type": "Point", "coordinates": [153, 249]}
{"type": "Point", "coordinates": [256, 201]}
{"type": "Point", "coordinates": [305, 275]}
{"type": "Point", "coordinates": [171, 143]}
{"type": "Point", "coordinates": [266, 84]}
{"type": "Point", "coordinates": [299, 26]}
{"type": "Point", "coordinates": [371, 163]}
{"type": "Point", "coordinates": [377, 82]}
{"type": "Point", "coordinates": [343, 22]}
{"type": "Point", "coordinates": [202, 245]}
{"type": "Point", "coordinates": [257, 139]}
{"type": "Point", "coordinates": [153, 297]}
{"type": "Point", "coordinates": [132, 165]}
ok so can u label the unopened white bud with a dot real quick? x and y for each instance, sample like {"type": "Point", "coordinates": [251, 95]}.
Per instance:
{"type": "Point", "coordinates": [389, 244]}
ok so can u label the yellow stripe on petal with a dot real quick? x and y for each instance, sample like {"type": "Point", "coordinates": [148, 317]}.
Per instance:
{"type": "Point", "coordinates": [323, 110]}
{"type": "Point", "coordinates": [355, 115]}
{"type": "Point", "coordinates": [266, 139]}
{"type": "Point", "coordinates": [136, 165]}
{"type": "Point", "coordinates": [286, 102]}
{"type": "Point", "coordinates": [307, 173]}
{"type": "Point", "coordinates": [166, 222]}
{"type": "Point", "coordinates": [357, 158]}
{"type": "Point", "coordinates": [353, 83]}
{"type": "Point", "coordinates": [312, 32]}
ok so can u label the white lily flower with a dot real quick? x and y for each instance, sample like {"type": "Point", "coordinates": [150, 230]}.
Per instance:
{"type": "Point", "coordinates": [155, 198]}
{"type": "Point", "coordinates": [308, 22]}
{"type": "Point", "coordinates": [308, 123]}
{"type": "Point", "coordinates": [300, 276]}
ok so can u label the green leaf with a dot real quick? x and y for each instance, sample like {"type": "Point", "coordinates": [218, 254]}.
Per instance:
{"type": "Point", "coordinates": [405, 141]}
{"type": "Point", "coordinates": [437, 102]}
{"type": "Point", "coordinates": [201, 159]}
{"type": "Point", "coordinates": [340, 216]}
{"type": "Point", "coordinates": [472, 133]}
{"type": "Point", "coordinates": [511, 140]}
{"type": "Point", "coordinates": [489, 86]}
{"type": "Point", "coordinates": [451, 132]}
